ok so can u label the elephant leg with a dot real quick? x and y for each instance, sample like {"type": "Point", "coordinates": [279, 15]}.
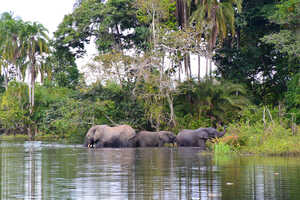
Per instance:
{"type": "Point", "coordinates": [202, 144]}
{"type": "Point", "coordinates": [142, 144]}
{"type": "Point", "coordinates": [161, 144]}
{"type": "Point", "coordinates": [98, 145]}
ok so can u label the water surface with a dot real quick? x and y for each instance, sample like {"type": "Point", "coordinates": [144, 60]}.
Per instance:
{"type": "Point", "coordinates": [38, 170]}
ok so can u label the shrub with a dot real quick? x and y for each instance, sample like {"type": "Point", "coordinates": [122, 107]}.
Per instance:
{"type": "Point", "coordinates": [14, 108]}
{"type": "Point", "coordinates": [292, 97]}
{"type": "Point", "coordinates": [222, 148]}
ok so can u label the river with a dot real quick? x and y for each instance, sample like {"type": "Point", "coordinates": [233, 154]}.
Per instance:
{"type": "Point", "coordinates": [41, 170]}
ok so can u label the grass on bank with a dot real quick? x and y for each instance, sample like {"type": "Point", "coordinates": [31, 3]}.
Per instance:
{"type": "Point", "coordinates": [222, 148]}
{"type": "Point", "coordinates": [273, 139]}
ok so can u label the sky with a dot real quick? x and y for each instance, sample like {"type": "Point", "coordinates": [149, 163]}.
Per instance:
{"type": "Point", "coordinates": [50, 13]}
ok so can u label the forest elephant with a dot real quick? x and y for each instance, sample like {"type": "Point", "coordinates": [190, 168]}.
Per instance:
{"type": "Point", "coordinates": [198, 137]}
{"type": "Point", "coordinates": [154, 139]}
{"type": "Point", "coordinates": [100, 136]}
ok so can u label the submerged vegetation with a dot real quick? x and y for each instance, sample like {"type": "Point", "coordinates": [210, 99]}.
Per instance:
{"type": "Point", "coordinates": [145, 76]}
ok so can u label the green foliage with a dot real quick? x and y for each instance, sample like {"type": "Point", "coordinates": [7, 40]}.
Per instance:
{"type": "Point", "coordinates": [292, 97]}
{"type": "Point", "coordinates": [60, 114]}
{"type": "Point", "coordinates": [222, 148]}
{"type": "Point", "coordinates": [287, 40]}
{"type": "Point", "coordinates": [14, 113]}
{"type": "Point", "coordinates": [149, 94]}
{"type": "Point", "coordinates": [70, 119]}
{"type": "Point", "coordinates": [162, 11]}
{"type": "Point", "coordinates": [209, 103]}
{"type": "Point", "coordinates": [287, 11]}
{"type": "Point", "coordinates": [189, 121]}
{"type": "Point", "coordinates": [273, 139]}
{"type": "Point", "coordinates": [260, 53]}
{"type": "Point", "coordinates": [107, 21]}
{"type": "Point", "coordinates": [62, 68]}
{"type": "Point", "coordinates": [126, 108]}
{"type": "Point", "coordinates": [215, 19]}
{"type": "Point", "coordinates": [260, 66]}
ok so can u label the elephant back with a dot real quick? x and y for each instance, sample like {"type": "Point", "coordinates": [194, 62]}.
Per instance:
{"type": "Point", "coordinates": [126, 130]}
{"type": "Point", "coordinates": [124, 133]}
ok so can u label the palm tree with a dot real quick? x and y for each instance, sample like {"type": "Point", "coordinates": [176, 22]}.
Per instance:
{"type": "Point", "coordinates": [23, 44]}
{"type": "Point", "coordinates": [217, 101]}
{"type": "Point", "coordinates": [215, 19]}
{"type": "Point", "coordinates": [182, 15]}
{"type": "Point", "coordinates": [35, 44]}
{"type": "Point", "coordinates": [9, 43]}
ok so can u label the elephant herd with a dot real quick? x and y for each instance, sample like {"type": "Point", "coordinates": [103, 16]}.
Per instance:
{"type": "Point", "coordinates": [100, 136]}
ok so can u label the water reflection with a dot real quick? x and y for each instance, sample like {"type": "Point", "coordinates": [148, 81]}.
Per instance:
{"type": "Point", "coordinates": [36, 170]}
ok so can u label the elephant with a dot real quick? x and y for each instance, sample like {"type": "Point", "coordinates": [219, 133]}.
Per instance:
{"type": "Point", "coordinates": [154, 139]}
{"type": "Point", "coordinates": [100, 136]}
{"type": "Point", "coordinates": [198, 137]}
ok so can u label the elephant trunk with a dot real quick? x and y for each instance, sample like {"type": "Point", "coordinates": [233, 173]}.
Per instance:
{"type": "Point", "coordinates": [223, 133]}
{"type": "Point", "coordinates": [91, 143]}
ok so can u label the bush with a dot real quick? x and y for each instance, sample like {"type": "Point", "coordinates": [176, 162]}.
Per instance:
{"type": "Point", "coordinates": [208, 103]}
{"type": "Point", "coordinates": [222, 148]}
{"type": "Point", "coordinates": [255, 138]}
{"type": "Point", "coordinates": [14, 108]}
{"type": "Point", "coordinates": [292, 97]}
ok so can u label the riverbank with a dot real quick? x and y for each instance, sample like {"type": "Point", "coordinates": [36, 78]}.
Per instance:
{"type": "Point", "coordinates": [270, 139]}
{"type": "Point", "coordinates": [241, 138]}
{"type": "Point", "coordinates": [22, 137]}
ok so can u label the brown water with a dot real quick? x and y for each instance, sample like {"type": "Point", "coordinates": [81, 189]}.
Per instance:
{"type": "Point", "coordinates": [36, 170]}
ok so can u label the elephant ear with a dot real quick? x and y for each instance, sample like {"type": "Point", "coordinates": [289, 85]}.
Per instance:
{"type": "Point", "coordinates": [163, 137]}
{"type": "Point", "coordinates": [211, 133]}
{"type": "Point", "coordinates": [205, 133]}
{"type": "Point", "coordinates": [132, 137]}
{"type": "Point", "coordinates": [160, 136]}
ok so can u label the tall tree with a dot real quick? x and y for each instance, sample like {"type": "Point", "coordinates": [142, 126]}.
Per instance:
{"type": "Point", "coordinates": [112, 24]}
{"type": "Point", "coordinates": [215, 19]}
{"type": "Point", "coordinates": [35, 45]}
{"type": "Point", "coordinates": [182, 15]}
{"type": "Point", "coordinates": [263, 68]}
{"type": "Point", "coordinates": [10, 43]}
{"type": "Point", "coordinates": [287, 40]}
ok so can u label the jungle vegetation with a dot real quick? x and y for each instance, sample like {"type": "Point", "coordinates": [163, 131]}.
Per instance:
{"type": "Point", "coordinates": [144, 75]}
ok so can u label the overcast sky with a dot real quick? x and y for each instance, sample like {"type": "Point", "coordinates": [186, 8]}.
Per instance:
{"type": "Point", "coordinates": [50, 13]}
{"type": "Point", "coordinates": [47, 12]}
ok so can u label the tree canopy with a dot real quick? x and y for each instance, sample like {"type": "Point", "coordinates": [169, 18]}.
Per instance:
{"type": "Point", "coordinates": [148, 63]}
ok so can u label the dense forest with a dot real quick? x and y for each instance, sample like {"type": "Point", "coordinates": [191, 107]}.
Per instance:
{"type": "Point", "coordinates": [143, 74]}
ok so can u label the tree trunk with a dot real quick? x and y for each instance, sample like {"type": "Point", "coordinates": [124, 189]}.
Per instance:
{"type": "Point", "coordinates": [199, 66]}
{"type": "Point", "coordinates": [179, 73]}
{"type": "Point", "coordinates": [31, 134]}
{"type": "Point", "coordinates": [187, 66]}
{"type": "Point", "coordinates": [238, 38]}
{"type": "Point", "coordinates": [32, 81]}
{"type": "Point", "coordinates": [5, 78]}
{"type": "Point", "coordinates": [210, 67]}
{"type": "Point", "coordinates": [171, 106]}
{"type": "Point", "coordinates": [153, 26]}
{"type": "Point", "coordinates": [206, 67]}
